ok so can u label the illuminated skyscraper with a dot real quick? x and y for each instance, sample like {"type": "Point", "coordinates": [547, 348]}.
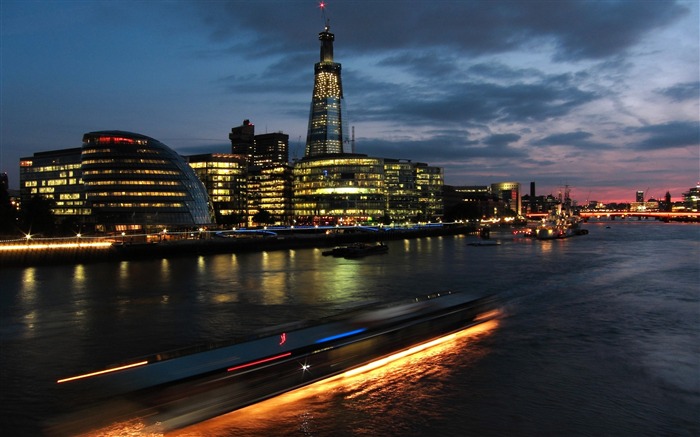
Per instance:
{"type": "Point", "coordinates": [325, 134]}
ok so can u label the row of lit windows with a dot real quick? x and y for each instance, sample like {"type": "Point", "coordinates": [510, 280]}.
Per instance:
{"type": "Point", "coordinates": [109, 151]}
{"type": "Point", "coordinates": [87, 151]}
{"type": "Point", "coordinates": [220, 192]}
{"type": "Point", "coordinates": [335, 183]}
{"type": "Point", "coordinates": [136, 182]}
{"type": "Point", "coordinates": [131, 171]}
{"type": "Point", "coordinates": [72, 211]}
{"type": "Point", "coordinates": [219, 167]}
{"type": "Point", "coordinates": [139, 194]}
{"type": "Point", "coordinates": [48, 168]}
{"type": "Point", "coordinates": [339, 162]}
{"type": "Point", "coordinates": [69, 196]}
{"type": "Point", "coordinates": [137, 205]}
{"type": "Point", "coordinates": [125, 161]}
{"type": "Point", "coordinates": [60, 203]}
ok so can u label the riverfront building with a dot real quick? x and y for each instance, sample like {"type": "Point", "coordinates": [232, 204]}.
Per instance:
{"type": "Point", "coordinates": [225, 178]}
{"type": "Point", "coordinates": [56, 176]}
{"type": "Point", "coordinates": [509, 194]}
{"type": "Point", "coordinates": [117, 181]}
{"type": "Point", "coordinates": [691, 199]}
{"type": "Point", "coordinates": [270, 190]}
{"type": "Point", "coordinates": [133, 182]}
{"type": "Point", "coordinates": [339, 188]}
{"type": "Point", "coordinates": [269, 174]}
{"type": "Point", "coordinates": [355, 188]}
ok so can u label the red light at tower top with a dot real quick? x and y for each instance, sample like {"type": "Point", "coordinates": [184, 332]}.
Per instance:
{"type": "Point", "coordinates": [322, 6]}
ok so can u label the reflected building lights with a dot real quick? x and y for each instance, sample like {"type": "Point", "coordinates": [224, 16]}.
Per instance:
{"type": "Point", "coordinates": [78, 274]}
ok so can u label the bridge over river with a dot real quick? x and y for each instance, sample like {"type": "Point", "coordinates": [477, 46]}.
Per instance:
{"type": "Point", "coordinates": [686, 216]}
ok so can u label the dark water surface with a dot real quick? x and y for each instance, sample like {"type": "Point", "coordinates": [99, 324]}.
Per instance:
{"type": "Point", "coordinates": [599, 334]}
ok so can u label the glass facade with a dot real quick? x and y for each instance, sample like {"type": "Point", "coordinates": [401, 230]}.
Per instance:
{"type": "Point", "coordinates": [325, 133]}
{"type": "Point", "coordinates": [135, 182]}
{"type": "Point", "coordinates": [429, 183]}
{"type": "Point", "coordinates": [271, 149]}
{"type": "Point", "coordinates": [56, 176]}
{"type": "Point", "coordinates": [225, 179]}
{"type": "Point", "coordinates": [271, 191]}
{"type": "Point", "coordinates": [401, 193]}
{"type": "Point", "coordinates": [339, 189]}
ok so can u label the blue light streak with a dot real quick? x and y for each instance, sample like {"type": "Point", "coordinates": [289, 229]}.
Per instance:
{"type": "Point", "coordinates": [337, 336]}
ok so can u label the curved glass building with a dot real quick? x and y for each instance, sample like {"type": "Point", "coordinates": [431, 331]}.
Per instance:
{"type": "Point", "coordinates": [135, 182]}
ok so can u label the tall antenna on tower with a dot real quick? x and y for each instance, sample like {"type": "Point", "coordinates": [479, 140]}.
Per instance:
{"type": "Point", "coordinates": [322, 5]}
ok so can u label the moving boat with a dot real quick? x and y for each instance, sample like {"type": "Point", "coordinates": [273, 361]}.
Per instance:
{"type": "Point", "coordinates": [359, 252]}
{"type": "Point", "coordinates": [178, 388]}
{"type": "Point", "coordinates": [341, 251]}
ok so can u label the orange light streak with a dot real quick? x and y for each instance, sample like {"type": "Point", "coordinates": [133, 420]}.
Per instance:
{"type": "Point", "coordinates": [102, 372]}
{"type": "Point", "coordinates": [488, 315]}
{"type": "Point", "coordinates": [383, 361]}
{"type": "Point", "coordinates": [52, 246]}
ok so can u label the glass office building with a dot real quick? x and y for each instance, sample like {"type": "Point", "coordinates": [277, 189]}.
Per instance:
{"type": "Point", "coordinates": [326, 134]}
{"type": "Point", "coordinates": [225, 177]}
{"type": "Point", "coordinates": [134, 182]}
{"type": "Point", "coordinates": [56, 176]}
{"type": "Point", "coordinates": [338, 189]}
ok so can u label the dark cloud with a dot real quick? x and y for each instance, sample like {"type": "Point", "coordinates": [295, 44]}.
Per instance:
{"type": "Point", "coordinates": [499, 71]}
{"type": "Point", "coordinates": [669, 135]}
{"type": "Point", "coordinates": [471, 103]}
{"type": "Point", "coordinates": [501, 140]}
{"type": "Point", "coordinates": [447, 146]}
{"type": "Point", "coordinates": [428, 64]}
{"type": "Point", "coordinates": [577, 139]}
{"type": "Point", "coordinates": [577, 29]}
{"type": "Point", "coordinates": [682, 92]}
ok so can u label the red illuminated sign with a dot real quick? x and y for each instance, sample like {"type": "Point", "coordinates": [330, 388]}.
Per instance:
{"type": "Point", "coordinates": [109, 140]}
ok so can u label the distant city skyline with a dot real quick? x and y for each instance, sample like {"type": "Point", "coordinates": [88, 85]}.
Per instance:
{"type": "Point", "coordinates": [601, 96]}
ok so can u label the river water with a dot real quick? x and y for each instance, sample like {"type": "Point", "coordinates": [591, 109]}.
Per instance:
{"type": "Point", "coordinates": [598, 334]}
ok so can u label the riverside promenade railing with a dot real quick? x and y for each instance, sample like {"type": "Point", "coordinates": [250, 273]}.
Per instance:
{"type": "Point", "coordinates": [31, 250]}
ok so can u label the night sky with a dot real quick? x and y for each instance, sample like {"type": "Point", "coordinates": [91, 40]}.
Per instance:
{"type": "Point", "coordinates": [603, 96]}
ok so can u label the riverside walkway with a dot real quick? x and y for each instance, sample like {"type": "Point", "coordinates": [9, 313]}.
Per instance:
{"type": "Point", "coordinates": [83, 249]}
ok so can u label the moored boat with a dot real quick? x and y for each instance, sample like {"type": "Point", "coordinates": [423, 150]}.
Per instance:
{"type": "Point", "coordinates": [561, 222]}
{"type": "Point", "coordinates": [359, 252]}
{"type": "Point", "coordinates": [341, 251]}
